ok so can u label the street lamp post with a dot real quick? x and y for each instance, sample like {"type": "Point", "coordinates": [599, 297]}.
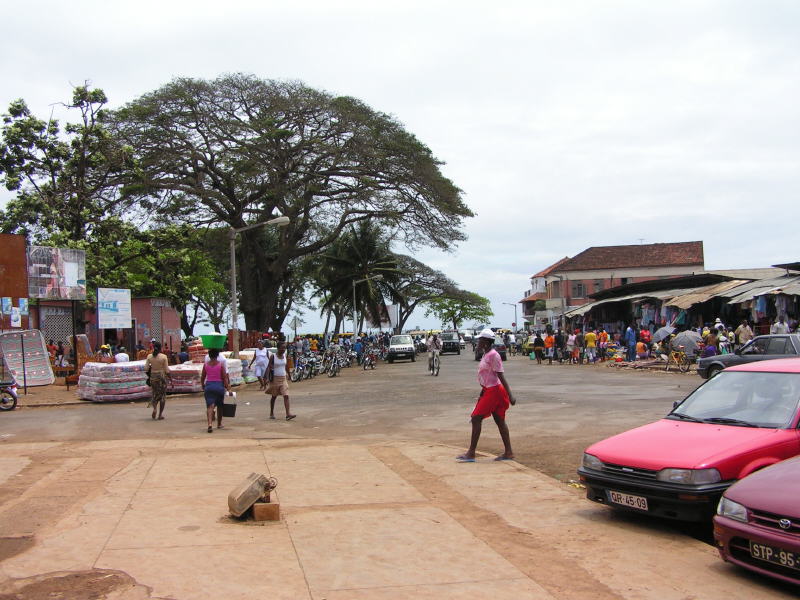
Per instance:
{"type": "Point", "coordinates": [280, 222]}
{"type": "Point", "coordinates": [377, 277]}
{"type": "Point", "coordinates": [515, 314]}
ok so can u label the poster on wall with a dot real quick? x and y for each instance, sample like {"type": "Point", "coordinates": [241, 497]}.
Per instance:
{"type": "Point", "coordinates": [23, 306]}
{"type": "Point", "coordinates": [113, 308]}
{"type": "Point", "coordinates": [16, 318]}
{"type": "Point", "coordinates": [6, 306]}
{"type": "Point", "coordinates": [56, 273]}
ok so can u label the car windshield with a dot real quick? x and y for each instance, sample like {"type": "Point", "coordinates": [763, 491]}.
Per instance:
{"type": "Point", "coordinates": [744, 398]}
{"type": "Point", "coordinates": [449, 337]}
{"type": "Point", "coordinates": [398, 340]}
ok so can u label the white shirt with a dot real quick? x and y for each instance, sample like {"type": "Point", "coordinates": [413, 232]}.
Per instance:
{"type": "Point", "coordinates": [121, 357]}
{"type": "Point", "coordinates": [279, 365]}
{"type": "Point", "coordinates": [261, 356]}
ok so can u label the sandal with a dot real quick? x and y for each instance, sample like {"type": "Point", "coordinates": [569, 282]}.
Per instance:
{"type": "Point", "coordinates": [290, 417]}
{"type": "Point", "coordinates": [210, 429]}
{"type": "Point", "coordinates": [272, 417]}
{"type": "Point", "coordinates": [464, 458]}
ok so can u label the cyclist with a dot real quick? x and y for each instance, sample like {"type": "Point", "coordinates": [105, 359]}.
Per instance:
{"type": "Point", "coordinates": [434, 345]}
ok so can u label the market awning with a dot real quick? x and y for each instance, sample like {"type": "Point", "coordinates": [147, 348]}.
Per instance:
{"type": "Point", "coordinates": [778, 285]}
{"type": "Point", "coordinates": [658, 295]}
{"type": "Point", "coordinates": [703, 294]}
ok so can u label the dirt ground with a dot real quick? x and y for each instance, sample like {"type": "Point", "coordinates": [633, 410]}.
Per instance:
{"type": "Point", "coordinates": [560, 409]}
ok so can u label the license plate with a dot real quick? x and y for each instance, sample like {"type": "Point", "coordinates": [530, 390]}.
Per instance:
{"type": "Point", "coordinates": [628, 500]}
{"type": "Point", "coordinates": [774, 555]}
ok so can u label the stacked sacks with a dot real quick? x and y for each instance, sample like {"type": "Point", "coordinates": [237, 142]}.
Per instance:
{"type": "Point", "coordinates": [234, 366]}
{"type": "Point", "coordinates": [185, 378]}
{"type": "Point", "coordinates": [106, 382]}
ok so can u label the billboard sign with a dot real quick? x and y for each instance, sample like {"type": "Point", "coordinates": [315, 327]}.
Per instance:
{"type": "Point", "coordinates": [113, 308]}
{"type": "Point", "coordinates": [56, 273]}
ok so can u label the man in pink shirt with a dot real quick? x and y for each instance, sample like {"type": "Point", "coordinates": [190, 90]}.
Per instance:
{"type": "Point", "coordinates": [494, 400]}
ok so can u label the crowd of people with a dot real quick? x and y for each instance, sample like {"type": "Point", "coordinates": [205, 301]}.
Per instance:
{"type": "Point", "coordinates": [593, 344]}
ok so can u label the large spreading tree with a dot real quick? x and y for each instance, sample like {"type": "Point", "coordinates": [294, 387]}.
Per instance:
{"type": "Point", "coordinates": [237, 149]}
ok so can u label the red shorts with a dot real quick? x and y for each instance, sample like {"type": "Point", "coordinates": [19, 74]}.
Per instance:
{"type": "Point", "coordinates": [494, 401]}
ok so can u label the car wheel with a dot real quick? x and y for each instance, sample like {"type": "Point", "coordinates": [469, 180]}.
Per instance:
{"type": "Point", "coordinates": [458, 352]}
{"type": "Point", "coordinates": [413, 359]}
{"type": "Point", "coordinates": [714, 371]}
{"type": "Point", "coordinates": [390, 360]}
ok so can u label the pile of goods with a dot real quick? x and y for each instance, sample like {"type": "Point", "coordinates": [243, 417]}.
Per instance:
{"type": "Point", "coordinates": [197, 353]}
{"type": "Point", "coordinates": [234, 366]}
{"type": "Point", "coordinates": [106, 382]}
{"type": "Point", "coordinates": [185, 378]}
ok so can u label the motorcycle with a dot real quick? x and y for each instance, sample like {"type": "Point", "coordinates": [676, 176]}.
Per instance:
{"type": "Point", "coordinates": [8, 395]}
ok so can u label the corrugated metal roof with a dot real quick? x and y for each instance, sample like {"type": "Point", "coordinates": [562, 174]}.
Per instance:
{"type": "Point", "coordinates": [748, 291]}
{"type": "Point", "coordinates": [703, 294]}
{"type": "Point", "coordinates": [660, 295]}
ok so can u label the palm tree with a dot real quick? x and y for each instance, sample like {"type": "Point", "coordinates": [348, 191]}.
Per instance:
{"type": "Point", "coordinates": [362, 253]}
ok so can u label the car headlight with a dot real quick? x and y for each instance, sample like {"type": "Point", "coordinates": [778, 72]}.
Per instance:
{"type": "Point", "coordinates": [592, 462]}
{"type": "Point", "coordinates": [689, 476]}
{"type": "Point", "coordinates": [732, 510]}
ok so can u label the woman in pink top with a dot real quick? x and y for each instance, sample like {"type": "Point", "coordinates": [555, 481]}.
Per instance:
{"type": "Point", "coordinates": [494, 400]}
{"type": "Point", "coordinates": [214, 379]}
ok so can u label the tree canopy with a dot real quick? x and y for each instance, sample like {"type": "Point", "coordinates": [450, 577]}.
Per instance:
{"type": "Point", "coordinates": [464, 306]}
{"type": "Point", "coordinates": [237, 148]}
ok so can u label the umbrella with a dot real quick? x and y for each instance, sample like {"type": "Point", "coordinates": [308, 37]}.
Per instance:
{"type": "Point", "coordinates": [689, 339]}
{"type": "Point", "coordinates": [662, 333]}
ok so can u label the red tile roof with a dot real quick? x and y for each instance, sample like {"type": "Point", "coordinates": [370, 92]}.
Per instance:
{"type": "Point", "coordinates": [636, 255]}
{"type": "Point", "coordinates": [534, 297]}
{"type": "Point", "coordinates": [551, 268]}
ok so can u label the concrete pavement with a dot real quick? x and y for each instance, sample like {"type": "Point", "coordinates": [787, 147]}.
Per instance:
{"type": "Point", "coordinates": [148, 519]}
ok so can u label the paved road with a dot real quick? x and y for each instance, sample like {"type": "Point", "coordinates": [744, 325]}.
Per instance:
{"type": "Point", "coordinates": [558, 539]}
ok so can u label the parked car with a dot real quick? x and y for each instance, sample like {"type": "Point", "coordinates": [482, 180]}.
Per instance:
{"type": "Point", "coordinates": [401, 346]}
{"type": "Point", "coordinates": [742, 420]}
{"type": "Point", "coordinates": [498, 345]}
{"type": "Point", "coordinates": [450, 342]}
{"type": "Point", "coordinates": [763, 347]}
{"type": "Point", "coordinates": [758, 522]}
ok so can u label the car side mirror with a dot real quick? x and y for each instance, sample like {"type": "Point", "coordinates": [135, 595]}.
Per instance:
{"type": "Point", "coordinates": [675, 404]}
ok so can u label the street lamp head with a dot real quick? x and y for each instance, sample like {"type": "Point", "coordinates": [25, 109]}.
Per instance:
{"type": "Point", "coordinates": [279, 221]}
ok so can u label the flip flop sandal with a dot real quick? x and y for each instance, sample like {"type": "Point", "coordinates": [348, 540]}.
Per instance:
{"type": "Point", "coordinates": [210, 429]}
{"type": "Point", "coordinates": [272, 417]}
{"type": "Point", "coordinates": [502, 458]}
{"type": "Point", "coordinates": [290, 417]}
{"type": "Point", "coordinates": [464, 458]}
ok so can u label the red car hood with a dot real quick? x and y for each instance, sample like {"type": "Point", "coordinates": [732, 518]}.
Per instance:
{"type": "Point", "coordinates": [683, 445]}
{"type": "Point", "coordinates": [774, 489]}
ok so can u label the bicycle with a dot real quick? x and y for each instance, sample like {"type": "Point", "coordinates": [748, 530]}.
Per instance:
{"type": "Point", "coordinates": [680, 358]}
{"type": "Point", "coordinates": [8, 395]}
{"type": "Point", "coordinates": [434, 364]}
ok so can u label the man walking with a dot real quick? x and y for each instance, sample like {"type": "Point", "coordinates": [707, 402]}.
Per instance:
{"type": "Point", "coordinates": [494, 400]}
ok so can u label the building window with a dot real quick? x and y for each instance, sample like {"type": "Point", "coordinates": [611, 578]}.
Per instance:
{"type": "Point", "coordinates": [578, 290]}
{"type": "Point", "coordinates": [598, 285]}
{"type": "Point", "coordinates": [625, 280]}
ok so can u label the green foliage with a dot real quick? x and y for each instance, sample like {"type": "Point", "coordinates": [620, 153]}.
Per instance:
{"type": "Point", "coordinates": [234, 149]}
{"type": "Point", "coordinates": [459, 307]}
{"type": "Point", "coordinates": [361, 253]}
{"type": "Point", "coordinates": [66, 182]}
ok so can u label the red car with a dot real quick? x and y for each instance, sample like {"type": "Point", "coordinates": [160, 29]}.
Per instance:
{"type": "Point", "coordinates": [741, 421]}
{"type": "Point", "coordinates": [758, 522]}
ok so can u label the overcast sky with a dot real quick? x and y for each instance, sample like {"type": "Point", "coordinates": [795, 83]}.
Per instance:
{"type": "Point", "coordinates": [566, 124]}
